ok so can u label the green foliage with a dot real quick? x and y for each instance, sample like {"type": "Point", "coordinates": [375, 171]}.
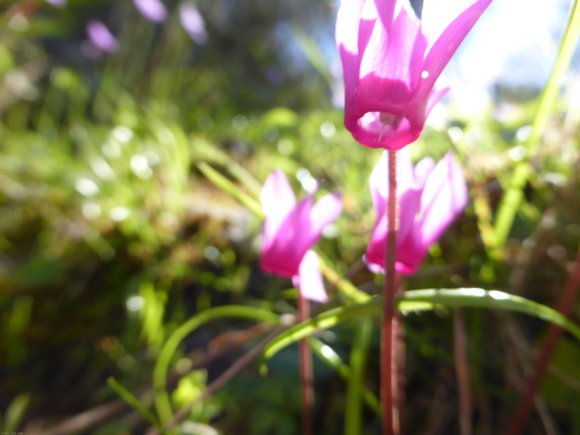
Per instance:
{"type": "Point", "coordinates": [130, 222]}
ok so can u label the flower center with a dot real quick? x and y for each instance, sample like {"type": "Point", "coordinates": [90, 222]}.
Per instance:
{"type": "Point", "coordinates": [390, 120]}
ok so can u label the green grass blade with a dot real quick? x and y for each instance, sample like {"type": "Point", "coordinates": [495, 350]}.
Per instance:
{"type": "Point", "coordinates": [514, 192]}
{"type": "Point", "coordinates": [422, 300]}
{"type": "Point", "coordinates": [227, 186]}
{"type": "Point", "coordinates": [327, 355]}
{"type": "Point", "coordinates": [358, 359]}
{"type": "Point", "coordinates": [162, 402]}
{"type": "Point", "coordinates": [132, 401]}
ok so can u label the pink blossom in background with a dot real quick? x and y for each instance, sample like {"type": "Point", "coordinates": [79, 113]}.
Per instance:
{"type": "Point", "coordinates": [192, 21]}
{"type": "Point", "coordinates": [153, 10]}
{"type": "Point", "coordinates": [101, 38]}
{"type": "Point", "coordinates": [430, 198]}
{"type": "Point", "coordinates": [291, 229]}
{"type": "Point", "coordinates": [391, 61]}
{"type": "Point", "coordinates": [57, 3]}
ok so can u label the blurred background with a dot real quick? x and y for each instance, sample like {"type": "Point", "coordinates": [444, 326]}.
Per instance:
{"type": "Point", "coordinates": [111, 236]}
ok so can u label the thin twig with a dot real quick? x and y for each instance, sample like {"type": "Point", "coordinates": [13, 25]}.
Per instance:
{"type": "Point", "coordinates": [306, 371]}
{"type": "Point", "coordinates": [565, 306]}
{"type": "Point", "coordinates": [462, 372]}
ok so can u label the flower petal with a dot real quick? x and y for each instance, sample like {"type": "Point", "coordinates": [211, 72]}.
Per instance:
{"type": "Point", "coordinates": [153, 10]}
{"type": "Point", "coordinates": [346, 33]}
{"type": "Point", "coordinates": [309, 280]}
{"type": "Point", "coordinates": [101, 37]}
{"type": "Point", "coordinates": [192, 21]}
{"type": "Point", "coordinates": [325, 211]}
{"type": "Point", "coordinates": [447, 43]}
{"type": "Point", "coordinates": [444, 198]}
{"type": "Point", "coordinates": [278, 200]}
{"type": "Point", "coordinates": [378, 185]}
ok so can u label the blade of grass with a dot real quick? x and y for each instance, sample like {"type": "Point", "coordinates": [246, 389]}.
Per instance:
{"type": "Point", "coordinates": [422, 300]}
{"type": "Point", "coordinates": [327, 355]}
{"type": "Point", "coordinates": [161, 396]}
{"type": "Point", "coordinates": [354, 393]}
{"type": "Point", "coordinates": [514, 193]}
{"type": "Point", "coordinates": [131, 400]}
{"type": "Point", "coordinates": [227, 186]}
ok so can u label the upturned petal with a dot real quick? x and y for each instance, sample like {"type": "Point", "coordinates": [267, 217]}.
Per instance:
{"type": "Point", "coordinates": [153, 10]}
{"type": "Point", "coordinates": [291, 229]}
{"type": "Point", "coordinates": [101, 37]}
{"type": "Point", "coordinates": [309, 279]}
{"type": "Point", "coordinates": [409, 246]}
{"type": "Point", "coordinates": [290, 242]}
{"type": "Point", "coordinates": [444, 199]}
{"type": "Point", "coordinates": [441, 50]}
{"type": "Point", "coordinates": [430, 198]}
{"type": "Point", "coordinates": [325, 211]}
{"type": "Point", "coordinates": [192, 21]}
{"type": "Point", "coordinates": [278, 200]}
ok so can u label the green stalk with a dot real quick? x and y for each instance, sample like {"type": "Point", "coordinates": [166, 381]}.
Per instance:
{"type": "Point", "coordinates": [227, 186]}
{"type": "Point", "coordinates": [354, 394]}
{"type": "Point", "coordinates": [328, 356]}
{"type": "Point", "coordinates": [514, 191]}
{"type": "Point", "coordinates": [162, 402]}
{"type": "Point", "coordinates": [131, 400]}
{"type": "Point", "coordinates": [418, 301]}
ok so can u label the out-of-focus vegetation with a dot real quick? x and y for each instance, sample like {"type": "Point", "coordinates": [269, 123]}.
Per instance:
{"type": "Point", "coordinates": [111, 237]}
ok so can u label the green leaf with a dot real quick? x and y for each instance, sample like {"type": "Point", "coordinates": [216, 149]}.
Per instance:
{"type": "Point", "coordinates": [510, 203]}
{"type": "Point", "coordinates": [131, 400]}
{"type": "Point", "coordinates": [327, 355]}
{"type": "Point", "coordinates": [15, 412]}
{"type": "Point", "coordinates": [227, 186]}
{"type": "Point", "coordinates": [422, 300]}
{"type": "Point", "coordinates": [162, 402]}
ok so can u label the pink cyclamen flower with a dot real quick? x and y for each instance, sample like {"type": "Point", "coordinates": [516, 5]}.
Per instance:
{"type": "Point", "coordinates": [101, 38]}
{"type": "Point", "coordinates": [192, 22]}
{"type": "Point", "coordinates": [430, 198]}
{"type": "Point", "coordinates": [391, 61]}
{"type": "Point", "coordinates": [153, 10]}
{"type": "Point", "coordinates": [291, 229]}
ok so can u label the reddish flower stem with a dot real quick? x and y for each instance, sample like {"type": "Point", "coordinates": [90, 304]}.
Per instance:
{"type": "Point", "coordinates": [565, 306]}
{"type": "Point", "coordinates": [390, 327]}
{"type": "Point", "coordinates": [462, 372]}
{"type": "Point", "coordinates": [306, 372]}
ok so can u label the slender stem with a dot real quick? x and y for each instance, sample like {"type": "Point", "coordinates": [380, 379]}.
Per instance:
{"type": "Point", "coordinates": [306, 372]}
{"type": "Point", "coordinates": [389, 370]}
{"type": "Point", "coordinates": [355, 392]}
{"type": "Point", "coordinates": [462, 372]}
{"type": "Point", "coordinates": [514, 191]}
{"type": "Point", "coordinates": [565, 306]}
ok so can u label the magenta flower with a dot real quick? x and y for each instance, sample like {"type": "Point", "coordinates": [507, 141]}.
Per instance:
{"type": "Point", "coordinates": [101, 38]}
{"type": "Point", "coordinates": [291, 229]}
{"type": "Point", "coordinates": [153, 10]}
{"type": "Point", "coordinates": [192, 22]}
{"type": "Point", "coordinates": [430, 199]}
{"type": "Point", "coordinates": [391, 61]}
